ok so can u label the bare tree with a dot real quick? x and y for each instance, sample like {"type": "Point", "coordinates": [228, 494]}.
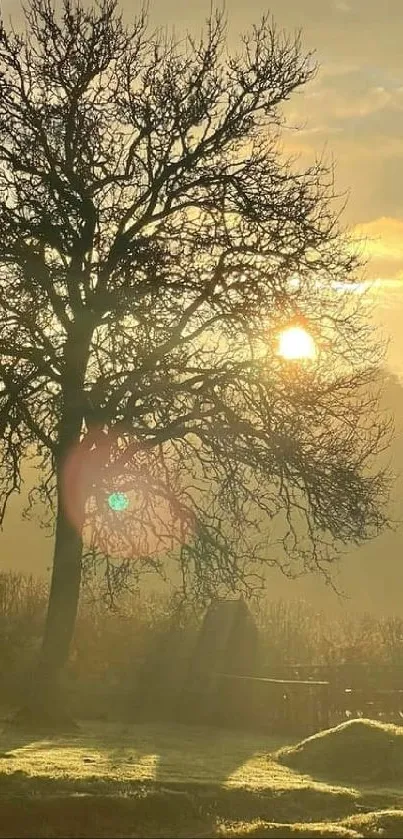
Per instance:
{"type": "Point", "coordinates": [154, 242]}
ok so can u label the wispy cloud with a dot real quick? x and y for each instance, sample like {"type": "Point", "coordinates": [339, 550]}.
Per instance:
{"type": "Point", "coordinates": [382, 244]}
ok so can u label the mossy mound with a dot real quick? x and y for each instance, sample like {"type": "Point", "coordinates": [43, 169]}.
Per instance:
{"type": "Point", "coordinates": [358, 751]}
{"type": "Point", "coordinates": [383, 824]}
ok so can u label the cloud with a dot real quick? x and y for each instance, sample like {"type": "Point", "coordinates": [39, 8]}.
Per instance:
{"type": "Point", "coordinates": [354, 107]}
{"type": "Point", "coordinates": [342, 6]}
{"type": "Point", "coordinates": [360, 102]}
{"type": "Point", "coordinates": [354, 114]}
{"type": "Point", "coordinates": [382, 243]}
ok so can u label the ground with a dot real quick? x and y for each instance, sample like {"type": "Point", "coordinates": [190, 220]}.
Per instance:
{"type": "Point", "coordinates": [162, 780]}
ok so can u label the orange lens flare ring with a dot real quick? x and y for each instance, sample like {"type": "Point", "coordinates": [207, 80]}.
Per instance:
{"type": "Point", "coordinates": [127, 514]}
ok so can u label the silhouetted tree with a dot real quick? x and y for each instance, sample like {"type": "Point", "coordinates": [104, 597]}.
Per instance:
{"type": "Point", "coordinates": [154, 241]}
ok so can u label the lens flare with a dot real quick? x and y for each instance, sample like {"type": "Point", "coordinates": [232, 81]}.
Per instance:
{"type": "Point", "coordinates": [128, 507]}
{"type": "Point", "coordinates": [118, 501]}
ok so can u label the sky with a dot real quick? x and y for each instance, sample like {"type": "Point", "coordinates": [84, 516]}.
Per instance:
{"type": "Point", "coordinates": [353, 111]}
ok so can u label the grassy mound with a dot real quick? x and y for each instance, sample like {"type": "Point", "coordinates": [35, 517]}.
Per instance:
{"type": "Point", "coordinates": [358, 751]}
{"type": "Point", "coordinates": [138, 818]}
{"type": "Point", "coordinates": [158, 813]}
{"type": "Point", "coordinates": [264, 830]}
{"type": "Point", "coordinates": [387, 824]}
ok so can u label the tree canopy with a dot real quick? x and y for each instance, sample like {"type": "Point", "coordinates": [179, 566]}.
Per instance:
{"type": "Point", "coordinates": [155, 240]}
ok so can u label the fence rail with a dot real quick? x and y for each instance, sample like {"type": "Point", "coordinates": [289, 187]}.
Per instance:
{"type": "Point", "coordinates": [303, 705]}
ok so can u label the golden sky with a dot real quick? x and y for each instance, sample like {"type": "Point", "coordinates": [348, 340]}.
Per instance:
{"type": "Point", "coordinates": [353, 110]}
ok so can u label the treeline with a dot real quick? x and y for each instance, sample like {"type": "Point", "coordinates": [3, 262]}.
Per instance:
{"type": "Point", "coordinates": [114, 649]}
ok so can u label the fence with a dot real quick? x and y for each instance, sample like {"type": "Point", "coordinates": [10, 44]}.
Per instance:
{"type": "Point", "coordinates": [276, 705]}
{"type": "Point", "coordinates": [305, 705]}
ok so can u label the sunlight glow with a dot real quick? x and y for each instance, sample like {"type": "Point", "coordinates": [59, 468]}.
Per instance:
{"type": "Point", "coordinates": [296, 343]}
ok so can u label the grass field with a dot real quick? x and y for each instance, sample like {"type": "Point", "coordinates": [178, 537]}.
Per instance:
{"type": "Point", "coordinates": [172, 780]}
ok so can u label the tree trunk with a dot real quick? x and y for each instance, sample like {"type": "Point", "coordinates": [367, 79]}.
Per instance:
{"type": "Point", "coordinates": [64, 594]}
{"type": "Point", "coordinates": [46, 704]}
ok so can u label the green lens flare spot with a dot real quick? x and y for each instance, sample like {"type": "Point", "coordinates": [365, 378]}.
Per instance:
{"type": "Point", "coordinates": [118, 501]}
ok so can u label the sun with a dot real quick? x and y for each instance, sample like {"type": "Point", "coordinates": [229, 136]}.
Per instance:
{"type": "Point", "coordinates": [296, 343]}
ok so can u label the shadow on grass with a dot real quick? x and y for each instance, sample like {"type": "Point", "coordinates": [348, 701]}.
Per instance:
{"type": "Point", "coordinates": [185, 794]}
{"type": "Point", "coordinates": [147, 800]}
{"type": "Point", "coordinates": [164, 814]}
{"type": "Point", "coordinates": [163, 752]}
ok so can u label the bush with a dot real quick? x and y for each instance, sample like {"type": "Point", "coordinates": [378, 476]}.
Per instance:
{"type": "Point", "coordinates": [294, 632]}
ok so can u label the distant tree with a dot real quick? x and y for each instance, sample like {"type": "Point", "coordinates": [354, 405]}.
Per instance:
{"type": "Point", "coordinates": [154, 242]}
